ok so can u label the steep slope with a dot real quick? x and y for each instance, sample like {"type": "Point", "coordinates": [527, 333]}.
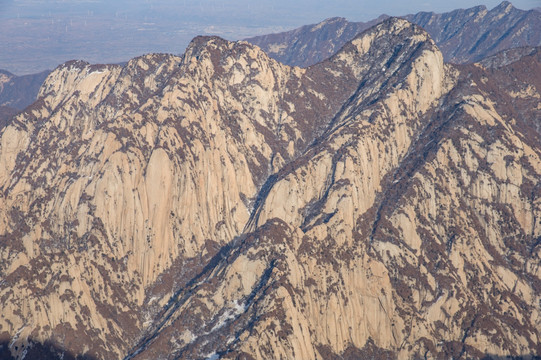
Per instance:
{"type": "Point", "coordinates": [409, 229]}
{"type": "Point", "coordinates": [120, 183]}
{"type": "Point", "coordinates": [463, 36]}
{"type": "Point", "coordinates": [518, 75]}
{"type": "Point", "coordinates": [248, 302]}
{"type": "Point", "coordinates": [220, 204]}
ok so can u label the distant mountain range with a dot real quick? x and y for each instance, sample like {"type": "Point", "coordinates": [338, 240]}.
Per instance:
{"type": "Point", "coordinates": [463, 36]}
{"type": "Point", "coordinates": [17, 92]}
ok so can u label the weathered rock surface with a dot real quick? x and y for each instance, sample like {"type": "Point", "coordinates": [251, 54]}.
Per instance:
{"type": "Point", "coordinates": [463, 35]}
{"type": "Point", "coordinates": [221, 204]}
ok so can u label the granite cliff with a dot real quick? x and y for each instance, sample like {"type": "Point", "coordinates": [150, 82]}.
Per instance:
{"type": "Point", "coordinates": [222, 204]}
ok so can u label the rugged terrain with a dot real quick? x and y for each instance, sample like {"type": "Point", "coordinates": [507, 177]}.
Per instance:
{"type": "Point", "coordinates": [380, 203]}
{"type": "Point", "coordinates": [311, 44]}
{"type": "Point", "coordinates": [463, 35]}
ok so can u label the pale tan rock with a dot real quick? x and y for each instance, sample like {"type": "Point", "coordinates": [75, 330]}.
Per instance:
{"type": "Point", "coordinates": [340, 217]}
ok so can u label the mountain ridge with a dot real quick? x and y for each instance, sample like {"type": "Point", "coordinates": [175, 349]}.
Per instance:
{"type": "Point", "coordinates": [312, 43]}
{"type": "Point", "coordinates": [463, 35]}
{"type": "Point", "coordinates": [221, 204]}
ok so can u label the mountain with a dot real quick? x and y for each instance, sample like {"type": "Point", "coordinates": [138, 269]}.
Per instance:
{"type": "Point", "coordinates": [379, 204]}
{"type": "Point", "coordinates": [466, 36]}
{"type": "Point", "coordinates": [17, 92]}
{"type": "Point", "coordinates": [20, 91]}
{"type": "Point", "coordinates": [463, 36]}
{"type": "Point", "coordinates": [311, 44]}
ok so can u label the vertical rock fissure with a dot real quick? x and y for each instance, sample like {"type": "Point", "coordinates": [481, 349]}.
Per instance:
{"type": "Point", "coordinates": [314, 209]}
{"type": "Point", "coordinates": [176, 301]}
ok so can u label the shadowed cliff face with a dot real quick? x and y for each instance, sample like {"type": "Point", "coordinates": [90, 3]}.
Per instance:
{"type": "Point", "coordinates": [17, 92]}
{"type": "Point", "coordinates": [223, 204]}
{"type": "Point", "coordinates": [32, 350]}
{"type": "Point", "coordinates": [20, 91]}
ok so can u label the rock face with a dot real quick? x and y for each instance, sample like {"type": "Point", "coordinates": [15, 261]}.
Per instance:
{"type": "Point", "coordinates": [463, 36]}
{"type": "Point", "coordinates": [221, 204]}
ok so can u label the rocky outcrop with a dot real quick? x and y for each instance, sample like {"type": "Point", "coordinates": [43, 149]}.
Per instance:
{"type": "Point", "coordinates": [108, 174]}
{"type": "Point", "coordinates": [463, 35]}
{"type": "Point", "coordinates": [381, 235]}
{"type": "Point", "coordinates": [221, 204]}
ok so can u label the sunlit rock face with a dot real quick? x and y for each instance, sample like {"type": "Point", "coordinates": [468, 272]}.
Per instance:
{"type": "Point", "coordinates": [221, 204]}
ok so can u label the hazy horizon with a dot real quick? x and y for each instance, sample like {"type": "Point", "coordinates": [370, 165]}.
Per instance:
{"type": "Point", "coordinates": [36, 35]}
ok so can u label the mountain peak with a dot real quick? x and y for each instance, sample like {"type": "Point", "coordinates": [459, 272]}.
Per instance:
{"type": "Point", "coordinates": [73, 65]}
{"type": "Point", "coordinates": [397, 24]}
{"type": "Point", "coordinates": [504, 6]}
{"type": "Point", "coordinates": [328, 22]}
{"type": "Point", "coordinates": [332, 20]}
{"type": "Point", "coordinates": [395, 29]}
{"type": "Point", "coordinates": [201, 42]}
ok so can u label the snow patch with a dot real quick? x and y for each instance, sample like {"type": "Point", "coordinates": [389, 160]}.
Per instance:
{"type": "Point", "coordinates": [95, 72]}
{"type": "Point", "coordinates": [229, 314]}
